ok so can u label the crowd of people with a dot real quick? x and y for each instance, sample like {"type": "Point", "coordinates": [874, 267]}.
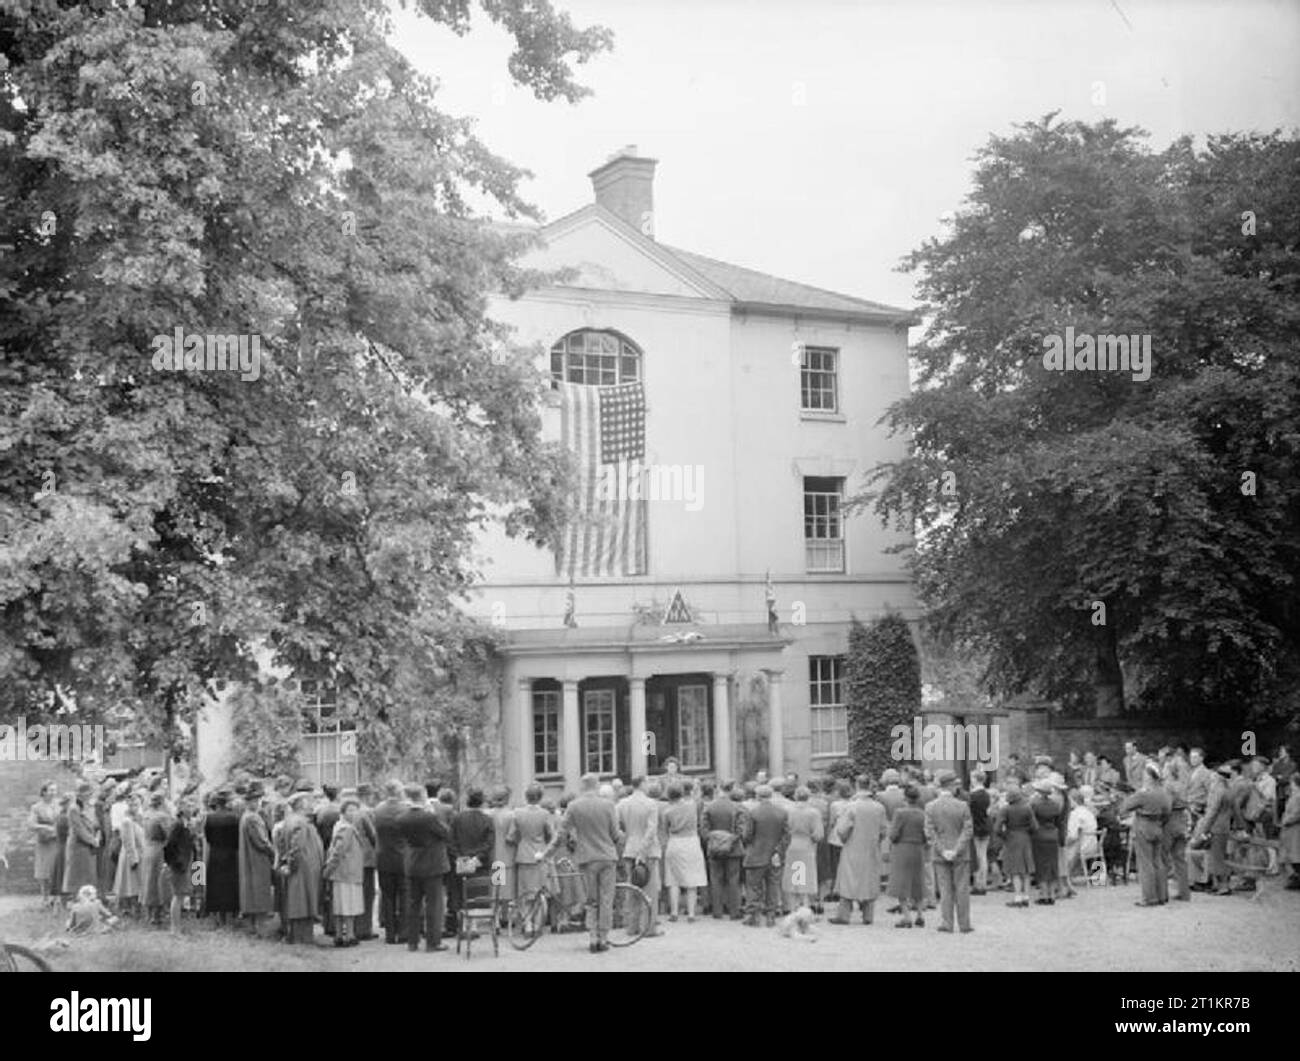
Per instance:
{"type": "Point", "coordinates": [286, 855]}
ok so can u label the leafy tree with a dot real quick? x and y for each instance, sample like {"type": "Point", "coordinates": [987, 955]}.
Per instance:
{"type": "Point", "coordinates": [277, 171]}
{"type": "Point", "coordinates": [267, 729]}
{"type": "Point", "coordinates": [882, 677]}
{"type": "Point", "coordinates": [1101, 540]}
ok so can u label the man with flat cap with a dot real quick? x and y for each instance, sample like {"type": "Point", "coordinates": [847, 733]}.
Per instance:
{"type": "Point", "coordinates": [949, 828]}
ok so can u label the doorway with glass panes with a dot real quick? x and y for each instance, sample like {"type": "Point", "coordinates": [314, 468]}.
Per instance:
{"type": "Point", "coordinates": [679, 719]}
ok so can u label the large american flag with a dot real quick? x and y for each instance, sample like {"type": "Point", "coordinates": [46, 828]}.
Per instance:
{"type": "Point", "coordinates": [604, 427]}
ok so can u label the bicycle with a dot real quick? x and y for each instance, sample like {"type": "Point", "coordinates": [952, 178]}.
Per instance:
{"type": "Point", "coordinates": [16, 959]}
{"type": "Point", "coordinates": [529, 917]}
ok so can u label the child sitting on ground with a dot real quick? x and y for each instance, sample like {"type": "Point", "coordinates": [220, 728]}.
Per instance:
{"type": "Point", "coordinates": [88, 915]}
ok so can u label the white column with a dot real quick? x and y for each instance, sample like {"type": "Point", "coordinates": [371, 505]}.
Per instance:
{"type": "Point", "coordinates": [775, 726]}
{"type": "Point", "coordinates": [721, 727]}
{"type": "Point", "coordinates": [524, 705]}
{"type": "Point", "coordinates": [636, 687]}
{"type": "Point", "coordinates": [572, 734]}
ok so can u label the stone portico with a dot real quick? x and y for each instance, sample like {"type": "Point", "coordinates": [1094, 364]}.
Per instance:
{"type": "Point", "coordinates": [618, 701]}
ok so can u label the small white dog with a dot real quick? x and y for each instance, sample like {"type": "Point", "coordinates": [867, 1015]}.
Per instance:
{"type": "Point", "coordinates": [799, 926]}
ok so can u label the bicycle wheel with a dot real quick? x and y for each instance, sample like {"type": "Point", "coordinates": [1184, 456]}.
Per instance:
{"type": "Point", "coordinates": [16, 959]}
{"type": "Point", "coordinates": [631, 915]}
{"type": "Point", "coordinates": [526, 921]}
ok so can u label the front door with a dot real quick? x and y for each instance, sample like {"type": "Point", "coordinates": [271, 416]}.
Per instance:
{"type": "Point", "coordinates": [679, 718]}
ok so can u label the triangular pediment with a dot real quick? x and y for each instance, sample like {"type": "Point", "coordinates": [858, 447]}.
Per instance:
{"type": "Point", "coordinates": [609, 255]}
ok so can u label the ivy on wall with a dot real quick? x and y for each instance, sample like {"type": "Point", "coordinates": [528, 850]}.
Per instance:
{"type": "Point", "coordinates": [883, 679]}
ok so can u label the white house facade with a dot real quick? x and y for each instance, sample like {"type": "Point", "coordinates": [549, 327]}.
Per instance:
{"type": "Point", "coordinates": [720, 416]}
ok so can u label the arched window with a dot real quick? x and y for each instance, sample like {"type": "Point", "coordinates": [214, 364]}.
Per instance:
{"type": "Point", "coordinates": [596, 358]}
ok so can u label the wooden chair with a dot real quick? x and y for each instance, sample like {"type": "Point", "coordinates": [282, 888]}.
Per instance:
{"type": "Point", "coordinates": [480, 908]}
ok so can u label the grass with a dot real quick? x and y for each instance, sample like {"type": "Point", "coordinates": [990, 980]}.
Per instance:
{"type": "Point", "coordinates": [136, 948]}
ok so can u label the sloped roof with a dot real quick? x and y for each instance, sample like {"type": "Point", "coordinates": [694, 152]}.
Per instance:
{"type": "Point", "coordinates": [746, 288]}
{"type": "Point", "coordinates": [762, 289]}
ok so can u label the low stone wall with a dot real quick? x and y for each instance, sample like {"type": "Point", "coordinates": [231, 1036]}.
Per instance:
{"type": "Point", "coordinates": [1037, 730]}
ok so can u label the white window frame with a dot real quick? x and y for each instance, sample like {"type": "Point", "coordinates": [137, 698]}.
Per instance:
{"type": "Point", "coordinates": [328, 739]}
{"type": "Point", "coordinates": [825, 681]}
{"type": "Point", "coordinates": [824, 551]}
{"type": "Point", "coordinates": [588, 767]}
{"type": "Point", "coordinates": [808, 373]}
{"type": "Point", "coordinates": [685, 761]}
{"type": "Point", "coordinates": [585, 352]}
{"type": "Point", "coordinates": [547, 709]}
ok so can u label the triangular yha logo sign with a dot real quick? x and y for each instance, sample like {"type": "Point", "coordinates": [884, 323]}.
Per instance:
{"type": "Point", "coordinates": [677, 611]}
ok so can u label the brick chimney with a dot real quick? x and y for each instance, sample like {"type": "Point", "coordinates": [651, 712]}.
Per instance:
{"type": "Point", "coordinates": [624, 185]}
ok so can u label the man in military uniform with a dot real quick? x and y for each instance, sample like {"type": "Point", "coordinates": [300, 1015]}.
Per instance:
{"type": "Point", "coordinates": [1150, 806]}
{"type": "Point", "coordinates": [1174, 845]}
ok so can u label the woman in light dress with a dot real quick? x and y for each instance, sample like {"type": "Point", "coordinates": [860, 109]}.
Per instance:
{"type": "Point", "coordinates": [807, 829]}
{"type": "Point", "coordinates": [684, 869]}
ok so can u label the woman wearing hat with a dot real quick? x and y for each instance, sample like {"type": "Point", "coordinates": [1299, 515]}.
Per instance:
{"type": "Point", "coordinates": [1017, 826]}
{"type": "Point", "coordinates": [178, 857]}
{"type": "Point", "coordinates": [80, 862]}
{"type": "Point", "coordinates": [221, 831]}
{"type": "Point", "coordinates": [1048, 809]}
{"type": "Point", "coordinates": [128, 881]}
{"type": "Point", "coordinates": [157, 824]}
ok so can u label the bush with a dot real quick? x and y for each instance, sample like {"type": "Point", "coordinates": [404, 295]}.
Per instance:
{"type": "Point", "coordinates": [883, 689]}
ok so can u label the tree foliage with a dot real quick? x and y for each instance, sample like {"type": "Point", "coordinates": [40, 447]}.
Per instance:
{"type": "Point", "coordinates": [882, 679]}
{"type": "Point", "coordinates": [275, 170]}
{"type": "Point", "coordinates": [1037, 495]}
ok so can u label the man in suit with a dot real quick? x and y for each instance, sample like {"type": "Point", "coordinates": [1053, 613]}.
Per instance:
{"type": "Point", "coordinates": [530, 831]}
{"type": "Point", "coordinates": [638, 817]}
{"type": "Point", "coordinates": [425, 863]}
{"type": "Point", "coordinates": [766, 835]}
{"type": "Point", "coordinates": [473, 837]}
{"type": "Point", "coordinates": [390, 863]}
{"type": "Point", "coordinates": [593, 824]}
{"type": "Point", "coordinates": [949, 828]}
{"type": "Point", "coordinates": [1176, 827]}
{"type": "Point", "coordinates": [723, 815]}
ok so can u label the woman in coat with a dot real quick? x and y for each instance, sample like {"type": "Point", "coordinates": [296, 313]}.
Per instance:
{"type": "Point", "coordinates": [80, 859]}
{"type": "Point", "coordinates": [799, 880]}
{"type": "Point", "coordinates": [345, 870]}
{"type": "Point", "coordinates": [256, 858]}
{"type": "Point", "coordinates": [58, 895]}
{"type": "Point", "coordinates": [300, 865]}
{"type": "Point", "coordinates": [906, 846]}
{"type": "Point", "coordinates": [840, 798]}
{"type": "Point", "coordinates": [1017, 827]}
{"type": "Point", "coordinates": [128, 881]}
{"type": "Point", "coordinates": [684, 868]}
{"type": "Point", "coordinates": [179, 852]}
{"type": "Point", "coordinates": [157, 824]}
{"type": "Point", "coordinates": [44, 823]}
{"type": "Point", "coordinates": [862, 827]}
{"type": "Point", "coordinates": [221, 880]}
{"type": "Point", "coordinates": [1046, 842]}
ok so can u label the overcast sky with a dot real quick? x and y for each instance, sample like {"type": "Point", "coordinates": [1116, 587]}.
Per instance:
{"type": "Point", "coordinates": [821, 140]}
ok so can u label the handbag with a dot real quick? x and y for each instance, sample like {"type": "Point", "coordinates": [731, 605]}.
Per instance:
{"type": "Point", "coordinates": [467, 865]}
{"type": "Point", "coordinates": [720, 843]}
